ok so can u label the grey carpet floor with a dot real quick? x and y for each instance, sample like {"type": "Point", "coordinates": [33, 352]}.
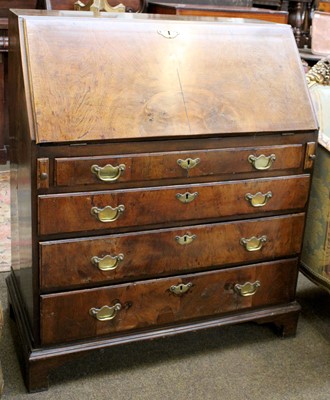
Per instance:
{"type": "Point", "coordinates": [246, 361]}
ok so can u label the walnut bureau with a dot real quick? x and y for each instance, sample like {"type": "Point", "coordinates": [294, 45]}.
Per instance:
{"type": "Point", "coordinates": [158, 187]}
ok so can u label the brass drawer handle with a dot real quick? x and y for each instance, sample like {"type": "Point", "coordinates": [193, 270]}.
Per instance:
{"type": "Point", "coordinates": [181, 288]}
{"type": "Point", "coordinates": [247, 289]}
{"type": "Point", "coordinates": [261, 162]}
{"type": "Point", "coordinates": [188, 163]}
{"type": "Point", "coordinates": [107, 263]}
{"type": "Point", "coordinates": [186, 197]}
{"type": "Point", "coordinates": [253, 243]}
{"type": "Point", "coordinates": [105, 313]}
{"type": "Point", "coordinates": [185, 239]}
{"type": "Point", "coordinates": [107, 214]}
{"type": "Point", "coordinates": [259, 199]}
{"type": "Point", "coordinates": [108, 173]}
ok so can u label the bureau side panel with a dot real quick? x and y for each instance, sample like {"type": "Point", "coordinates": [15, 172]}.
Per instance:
{"type": "Point", "coordinates": [22, 170]}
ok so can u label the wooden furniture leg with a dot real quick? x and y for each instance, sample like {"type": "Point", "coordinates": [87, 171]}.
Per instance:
{"type": "Point", "coordinates": [285, 324]}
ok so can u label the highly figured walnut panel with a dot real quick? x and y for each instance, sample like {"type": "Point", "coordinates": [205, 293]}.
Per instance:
{"type": "Point", "coordinates": [120, 95]}
{"type": "Point", "coordinates": [156, 205]}
{"type": "Point", "coordinates": [69, 263]}
{"type": "Point", "coordinates": [166, 165]}
{"type": "Point", "coordinates": [146, 304]}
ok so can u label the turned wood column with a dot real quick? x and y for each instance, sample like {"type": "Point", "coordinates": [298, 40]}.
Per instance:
{"type": "Point", "coordinates": [300, 20]}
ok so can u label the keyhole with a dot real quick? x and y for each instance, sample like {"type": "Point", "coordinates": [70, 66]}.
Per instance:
{"type": "Point", "coordinates": [188, 162]}
{"type": "Point", "coordinates": [181, 287]}
{"type": "Point", "coordinates": [187, 196]}
{"type": "Point", "coordinates": [185, 239]}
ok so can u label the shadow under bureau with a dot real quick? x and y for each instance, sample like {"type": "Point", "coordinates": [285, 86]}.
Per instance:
{"type": "Point", "coordinates": [160, 177]}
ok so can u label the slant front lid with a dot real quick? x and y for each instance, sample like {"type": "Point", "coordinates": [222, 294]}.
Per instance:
{"type": "Point", "coordinates": [119, 78]}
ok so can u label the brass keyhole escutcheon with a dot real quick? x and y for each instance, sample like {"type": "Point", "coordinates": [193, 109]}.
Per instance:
{"type": "Point", "coordinates": [188, 163]}
{"type": "Point", "coordinates": [186, 197]}
{"type": "Point", "coordinates": [181, 288]}
{"type": "Point", "coordinates": [168, 34]}
{"type": "Point", "coordinates": [185, 239]}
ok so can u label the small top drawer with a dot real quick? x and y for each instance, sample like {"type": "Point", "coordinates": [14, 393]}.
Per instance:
{"type": "Point", "coordinates": [142, 167]}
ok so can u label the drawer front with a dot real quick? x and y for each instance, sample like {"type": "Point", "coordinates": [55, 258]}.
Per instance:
{"type": "Point", "coordinates": [145, 304]}
{"type": "Point", "coordinates": [75, 263]}
{"type": "Point", "coordinates": [171, 165]}
{"type": "Point", "coordinates": [146, 207]}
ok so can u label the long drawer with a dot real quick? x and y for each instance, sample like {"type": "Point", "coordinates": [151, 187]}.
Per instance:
{"type": "Point", "coordinates": [90, 313]}
{"type": "Point", "coordinates": [91, 211]}
{"type": "Point", "coordinates": [113, 258]}
{"type": "Point", "coordinates": [170, 165]}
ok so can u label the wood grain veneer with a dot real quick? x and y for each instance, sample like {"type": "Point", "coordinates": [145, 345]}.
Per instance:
{"type": "Point", "coordinates": [67, 263]}
{"type": "Point", "coordinates": [115, 89]}
{"type": "Point", "coordinates": [152, 206]}
{"type": "Point", "coordinates": [164, 97]}
{"type": "Point", "coordinates": [151, 303]}
{"type": "Point", "coordinates": [164, 165]}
